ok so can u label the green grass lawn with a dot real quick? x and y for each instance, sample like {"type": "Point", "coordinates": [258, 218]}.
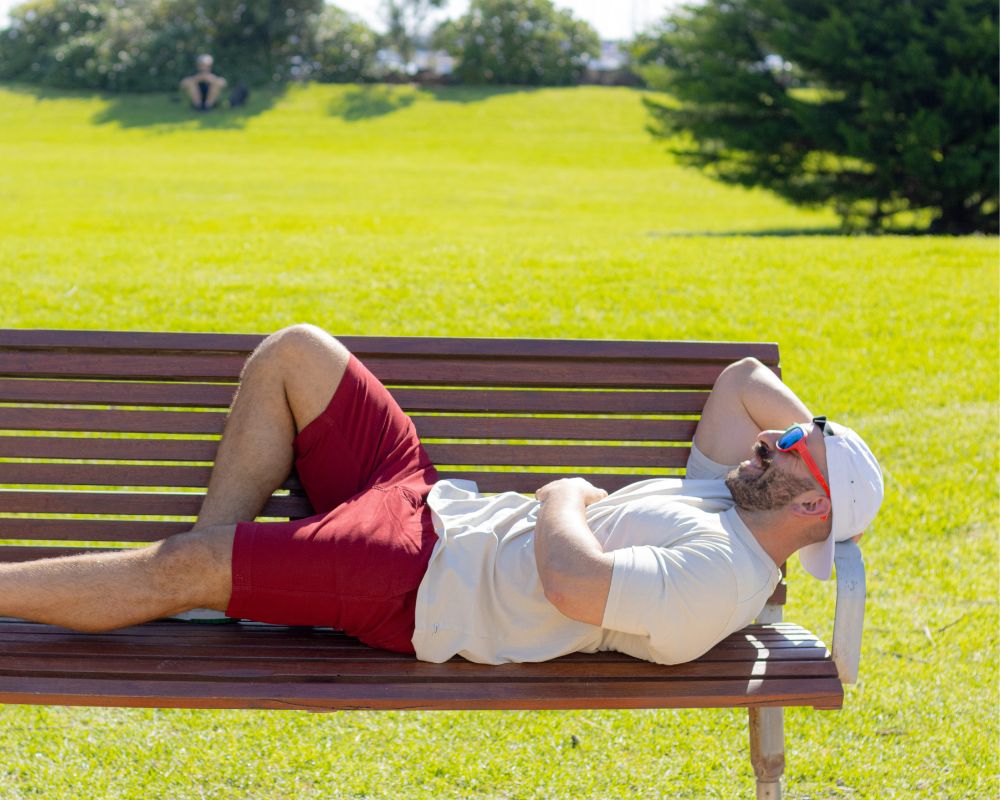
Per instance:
{"type": "Point", "coordinates": [528, 213]}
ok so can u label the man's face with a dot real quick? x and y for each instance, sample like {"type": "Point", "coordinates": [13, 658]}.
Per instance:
{"type": "Point", "coordinates": [770, 479]}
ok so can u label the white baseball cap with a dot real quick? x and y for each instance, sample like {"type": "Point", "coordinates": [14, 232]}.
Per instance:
{"type": "Point", "coordinates": [856, 491]}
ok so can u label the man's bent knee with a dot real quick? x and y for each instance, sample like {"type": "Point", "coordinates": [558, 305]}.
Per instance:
{"type": "Point", "coordinates": [289, 347]}
{"type": "Point", "coordinates": [738, 371]}
{"type": "Point", "coordinates": [310, 363]}
{"type": "Point", "coordinates": [194, 569]}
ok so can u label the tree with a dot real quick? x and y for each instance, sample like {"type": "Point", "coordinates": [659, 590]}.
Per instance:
{"type": "Point", "coordinates": [345, 47]}
{"type": "Point", "coordinates": [527, 42]}
{"type": "Point", "coordinates": [404, 22]}
{"type": "Point", "coordinates": [148, 46]}
{"type": "Point", "coordinates": [877, 107]}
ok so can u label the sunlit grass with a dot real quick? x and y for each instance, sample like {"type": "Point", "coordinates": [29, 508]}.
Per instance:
{"type": "Point", "coordinates": [537, 213]}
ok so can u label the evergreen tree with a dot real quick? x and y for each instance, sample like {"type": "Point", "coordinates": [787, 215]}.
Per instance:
{"type": "Point", "coordinates": [878, 107]}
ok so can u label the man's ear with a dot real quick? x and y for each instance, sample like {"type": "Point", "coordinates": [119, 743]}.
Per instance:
{"type": "Point", "coordinates": [811, 504]}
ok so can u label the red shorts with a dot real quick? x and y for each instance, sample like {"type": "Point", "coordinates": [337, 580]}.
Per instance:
{"type": "Point", "coordinates": [356, 565]}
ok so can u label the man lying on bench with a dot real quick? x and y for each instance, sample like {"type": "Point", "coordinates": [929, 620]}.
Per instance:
{"type": "Point", "coordinates": [662, 569]}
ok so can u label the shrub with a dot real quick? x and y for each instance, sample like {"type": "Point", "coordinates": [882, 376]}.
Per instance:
{"type": "Point", "coordinates": [149, 46]}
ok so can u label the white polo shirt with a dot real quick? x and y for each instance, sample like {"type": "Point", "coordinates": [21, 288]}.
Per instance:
{"type": "Point", "coordinates": [687, 573]}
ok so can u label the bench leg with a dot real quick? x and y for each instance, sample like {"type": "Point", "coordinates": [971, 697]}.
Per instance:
{"type": "Point", "coordinates": [767, 750]}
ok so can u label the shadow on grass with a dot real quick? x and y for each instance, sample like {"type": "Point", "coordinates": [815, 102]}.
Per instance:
{"type": "Point", "coordinates": [371, 100]}
{"type": "Point", "coordinates": [171, 110]}
{"type": "Point", "coordinates": [367, 101]}
{"type": "Point", "coordinates": [156, 109]}
{"type": "Point", "coordinates": [786, 232]}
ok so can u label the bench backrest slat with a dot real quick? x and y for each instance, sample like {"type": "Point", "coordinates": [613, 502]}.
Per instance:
{"type": "Point", "coordinates": [440, 399]}
{"type": "Point", "coordinates": [108, 436]}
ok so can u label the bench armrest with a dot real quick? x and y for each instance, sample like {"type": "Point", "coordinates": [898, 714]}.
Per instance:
{"type": "Point", "coordinates": [849, 616]}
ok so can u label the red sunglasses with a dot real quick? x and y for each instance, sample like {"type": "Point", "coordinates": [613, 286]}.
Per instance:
{"type": "Point", "coordinates": [794, 439]}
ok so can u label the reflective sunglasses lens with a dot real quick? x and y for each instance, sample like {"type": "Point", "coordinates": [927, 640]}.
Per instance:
{"type": "Point", "coordinates": [790, 437]}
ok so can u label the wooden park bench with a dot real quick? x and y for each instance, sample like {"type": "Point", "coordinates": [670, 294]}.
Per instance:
{"type": "Point", "coordinates": [107, 438]}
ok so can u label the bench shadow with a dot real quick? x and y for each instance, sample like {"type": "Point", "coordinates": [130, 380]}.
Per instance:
{"type": "Point", "coordinates": [367, 101]}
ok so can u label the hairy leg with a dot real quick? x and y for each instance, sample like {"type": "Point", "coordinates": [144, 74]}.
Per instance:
{"type": "Point", "coordinates": [190, 86]}
{"type": "Point", "coordinates": [214, 91]}
{"type": "Point", "coordinates": [103, 591]}
{"type": "Point", "coordinates": [286, 383]}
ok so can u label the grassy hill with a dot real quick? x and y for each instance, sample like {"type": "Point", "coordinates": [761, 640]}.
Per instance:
{"type": "Point", "coordinates": [527, 213]}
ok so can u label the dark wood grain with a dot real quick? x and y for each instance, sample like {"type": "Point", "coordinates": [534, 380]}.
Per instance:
{"type": "Point", "coordinates": [198, 450]}
{"type": "Point", "coordinates": [198, 666]}
{"type": "Point", "coordinates": [471, 371]}
{"type": "Point", "coordinates": [618, 430]}
{"type": "Point", "coordinates": [101, 421]}
{"type": "Point", "coordinates": [88, 530]}
{"type": "Point", "coordinates": [53, 473]}
{"type": "Point", "coordinates": [820, 693]}
{"type": "Point", "coordinates": [131, 449]}
{"type": "Point", "coordinates": [460, 427]}
{"type": "Point", "coordinates": [50, 473]}
{"type": "Point", "coordinates": [279, 669]}
{"type": "Point", "coordinates": [144, 503]}
{"type": "Point", "coordinates": [542, 372]}
{"type": "Point", "coordinates": [551, 401]}
{"type": "Point", "coordinates": [210, 395]}
{"type": "Point", "coordinates": [84, 364]}
{"type": "Point", "coordinates": [422, 346]}
{"type": "Point", "coordinates": [572, 455]}
{"type": "Point", "coordinates": [134, 393]}
{"type": "Point", "coordinates": [528, 482]}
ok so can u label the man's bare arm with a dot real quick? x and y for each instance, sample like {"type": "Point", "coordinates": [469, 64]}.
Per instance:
{"type": "Point", "coordinates": [574, 570]}
{"type": "Point", "coordinates": [747, 398]}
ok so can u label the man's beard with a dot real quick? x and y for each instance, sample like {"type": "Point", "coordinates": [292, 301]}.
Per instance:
{"type": "Point", "coordinates": [766, 490]}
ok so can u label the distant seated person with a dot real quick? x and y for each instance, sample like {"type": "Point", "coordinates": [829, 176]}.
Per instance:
{"type": "Point", "coordinates": [204, 87]}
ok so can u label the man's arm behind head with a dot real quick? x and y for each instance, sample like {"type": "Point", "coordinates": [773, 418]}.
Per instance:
{"type": "Point", "coordinates": [747, 398]}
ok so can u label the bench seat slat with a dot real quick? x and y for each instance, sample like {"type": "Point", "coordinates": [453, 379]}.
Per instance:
{"type": "Point", "coordinates": [186, 644]}
{"type": "Point", "coordinates": [154, 665]}
{"type": "Point", "coordinates": [821, 693]}
{"type": "Point", "coordinates": [279, 668]}
{"type": "Point", "coordinates": [324, 640]}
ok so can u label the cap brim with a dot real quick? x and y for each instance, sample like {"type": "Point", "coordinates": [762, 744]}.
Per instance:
{"type": "Point", "coordinates": [817, 558]}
